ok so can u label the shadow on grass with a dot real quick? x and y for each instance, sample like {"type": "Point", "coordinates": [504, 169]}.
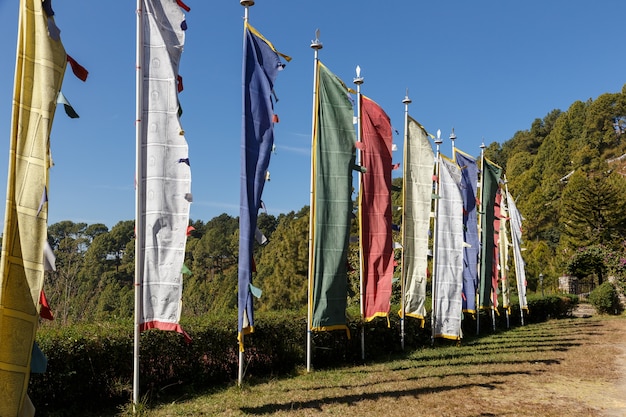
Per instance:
{"type": "Point", "coordinates": [353, 399]}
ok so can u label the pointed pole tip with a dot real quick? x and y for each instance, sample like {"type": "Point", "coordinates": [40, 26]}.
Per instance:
{"type": "Point", "coordinates": [358, 80]}
{"type": "Point", "coordinates": [317, 44]}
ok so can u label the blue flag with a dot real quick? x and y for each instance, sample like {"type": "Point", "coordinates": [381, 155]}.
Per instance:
{"type": "Point", "coordinates": [261, 63]}
{"type": "Point", "coordinates": [471, 250]}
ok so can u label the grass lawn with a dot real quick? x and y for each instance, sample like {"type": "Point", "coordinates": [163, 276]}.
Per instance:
{"type": "Point", "coordinates": [562, 368]}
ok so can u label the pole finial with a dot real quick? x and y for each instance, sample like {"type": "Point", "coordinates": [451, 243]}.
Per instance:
{"type": "Point", "coordinates": [407, 100]}
{"type": "Point", "coordinates": [358, 80]}
{"type": "Point", "coordinates": [317, 44]}
{"type": "Point", "coordinates": [246, 3]}
{"type": "Point", "coordinates": [452, 136]}
{"type": "Point", "coordinates": [438, 141]}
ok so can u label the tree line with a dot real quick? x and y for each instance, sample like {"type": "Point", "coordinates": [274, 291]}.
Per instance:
{"type": "Point", "coordinates": [566, 173]}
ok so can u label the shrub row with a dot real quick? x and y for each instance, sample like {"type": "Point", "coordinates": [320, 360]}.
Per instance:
{"type": "Point", "coordinates": [91, 366]}
{"type": "Point", "coordinates": [605, 299]}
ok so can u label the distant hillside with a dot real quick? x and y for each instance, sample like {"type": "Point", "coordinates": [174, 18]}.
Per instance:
{"type": "Point", "coordinates": [563, 173]}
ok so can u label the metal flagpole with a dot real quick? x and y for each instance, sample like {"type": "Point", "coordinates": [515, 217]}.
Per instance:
{"type": "Point", "coordinates": [316, 45]}
{"type": "Point", "coordinates": [139, 193]}
{"type": "Point", "coordinates": [452, 139]}
{"type": "Point", "coordinates": [406, 101]}
{"type": "Point", "coordinates": [358, 81]}
{"type": "Point", "coordinates": [480, 229]}
{"type": "Point", "coordinates": [438, 142]}
{"type": "Point", "coordinates": [246, 4]}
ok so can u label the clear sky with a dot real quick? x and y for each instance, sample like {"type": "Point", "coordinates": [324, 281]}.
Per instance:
{"type": "Point", "coordinates": [485, 68]}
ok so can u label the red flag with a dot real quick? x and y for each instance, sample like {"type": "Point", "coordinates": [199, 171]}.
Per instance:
{"type": "Point", "coordinates": [45, 312]}
{"type": "Point", "coordinates": [78, 69]}
{"type": "Point", "coordinates": [375, 209]}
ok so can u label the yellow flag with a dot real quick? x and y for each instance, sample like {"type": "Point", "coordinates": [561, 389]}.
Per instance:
{"type": "Point", "coordinates": [39, 70]}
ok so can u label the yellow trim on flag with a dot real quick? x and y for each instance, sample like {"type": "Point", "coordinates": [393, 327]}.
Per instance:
{"type": "Point", "coordinates": [258, 34]}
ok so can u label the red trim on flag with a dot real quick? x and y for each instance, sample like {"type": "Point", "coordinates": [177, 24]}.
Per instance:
{"type": "Point", "coordinates": [190, 229]}
{"type": "Point", "coordinates": [78, 69]}
{"type": "Point", "coordinates": [159, 325]}
{"type": "Point", "coordinates": [45, 312]}
{"type": "Point", "coordinates": [183, 5]}
{"type": "Point", "coordinates": [179, 82]}
{"type": "Point", "coordinates": [275, 118]}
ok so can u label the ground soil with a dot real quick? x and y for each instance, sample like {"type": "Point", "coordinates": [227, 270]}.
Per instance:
{"type": "Point", "coordinates": [600, 385]}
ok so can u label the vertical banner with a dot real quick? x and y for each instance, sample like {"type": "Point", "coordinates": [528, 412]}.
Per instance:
{"type": "Point", "coordinates": [333, 161]}
{"type": "Point", "coordinates": [40, 66]}
{"type": "Point", "coordinates": [419, 161]}
{"type": "Point", "coordinates": [516, 240]}
{"type": "Point", "coordinates": [166, 174]}
{"type": "Point", "coordinates": [261, 64]}
{"type": "Point", "coordinates": [503, 250]}
{"type": "Point", "coordinates": [449, 257]}
{"type": "Point", "coordinates": [471, 249]}
{"type": "Point", "coordinates": [495, 268]}
{"type": "Point", "coordinates": [490, 178]}
{"type": "Point", "coordinates": [375, 209]}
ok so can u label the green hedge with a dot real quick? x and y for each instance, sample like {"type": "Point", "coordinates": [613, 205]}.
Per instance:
{"type": "Point", "coordinates": [90, 367]}
{"type": "Point", "coordinates": [605, 300]}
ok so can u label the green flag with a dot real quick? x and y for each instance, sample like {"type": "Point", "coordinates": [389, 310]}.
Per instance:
{"type": "Point", "coordinates": [333, 159]}
{"type": "Point", "coordinates": [490, 178]}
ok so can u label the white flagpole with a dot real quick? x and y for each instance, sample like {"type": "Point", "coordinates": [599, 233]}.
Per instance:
{"type": "Point", "coordinates": [406, 101]}
{"type": "Point", "coordinates": [452, 139]}
{"type": "Point", "coordinates": [139, 194]}
{"type": "Point", "coordinates": [480, 232]}
{"type": "Point", "coordinates": [358, 81]}
{"type": "Point", "coordinates": [246, 4]}
{"type": "Point", "coordinates": [316, 45]}
{"type": "Point", "coordinates": [438, 142]}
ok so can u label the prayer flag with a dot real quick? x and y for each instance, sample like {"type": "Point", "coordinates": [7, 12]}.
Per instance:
{"type": "Point", "coordinates": [164, 205]}
{"type": "Point", "coordinates": [375, 210]}
{"type": "Point", "coordinates": [490, 177]}
{"type": "Point", "coordinates": [448, 278]}
{"type": "Point", "coordinates": [331, 208]}
{"type": "Point", "coordinates": [516, 240]}
{"type": "Point", "coordinates": [417, 191]}
{"type": "Point", "coordinates": [40, 66]}
{"type": "Point", "coordinates": [469, 185]}
{"type": "Point", "coordinates": [261, 64]}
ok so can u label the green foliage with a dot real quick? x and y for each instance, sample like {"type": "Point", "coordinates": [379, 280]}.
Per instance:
{"type": "Point", "coordinates": [598, 261]}
{"type": "Point", "coordinates": [282, 269]}
{"type": "Point", "coordinates": [593, 209]}
{"type": "Point", "coordinates": [552, 306]}
{"type": "Point", "coordinates": [604, 299]}
{"type": "Point", "coordinates": [587, 261]}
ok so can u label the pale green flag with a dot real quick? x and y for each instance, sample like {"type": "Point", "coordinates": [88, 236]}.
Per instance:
{"type": "Point", "coordinates": [333, 161]}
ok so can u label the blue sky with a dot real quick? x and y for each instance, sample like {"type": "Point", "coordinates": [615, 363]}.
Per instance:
{"type": "Point", "coordinates": [485, 68]}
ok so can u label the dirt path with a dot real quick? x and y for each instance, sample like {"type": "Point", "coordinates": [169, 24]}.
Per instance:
{"type": "Point", "coordinates": [618, 407]}
{"type": "Point", "coordinates": [601, 382]}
